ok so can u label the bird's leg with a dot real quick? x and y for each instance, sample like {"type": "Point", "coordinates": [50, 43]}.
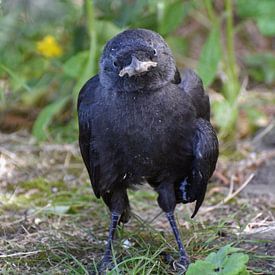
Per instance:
{"type": "Point", "coordinates": [107, 258]}
{"type": "Point", "coordinates": [167, 202]}
{"type": "Point", "coordinates": [118, 203]}
{"type": "Point", "coordinates": [183, 261]}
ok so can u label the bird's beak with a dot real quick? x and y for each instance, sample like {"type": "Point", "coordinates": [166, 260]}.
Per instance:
{"type": "Point", "coordinates": [137, 67]}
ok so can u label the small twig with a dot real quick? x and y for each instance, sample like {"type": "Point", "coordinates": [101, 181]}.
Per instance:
{"type": "Point", "coordinates": [231, 187]}
{"type": "Point", "coordinates": [25, 254]}
{"type": "Point", "coordinates": [263, 133]}
{"type": "Point", "coordinates": [230, 196]}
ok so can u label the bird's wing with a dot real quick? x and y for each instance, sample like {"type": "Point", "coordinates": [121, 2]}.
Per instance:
{"type": "Point", "coordinates": [205, 151]}
{"type": "Point", "coordinates": [86, 99]}
{"type": "Point", "coordinates": [193, 86]}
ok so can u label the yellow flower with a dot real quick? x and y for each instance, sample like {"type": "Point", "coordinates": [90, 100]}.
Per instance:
{"type": "Point", "coordinates": [49, 47]}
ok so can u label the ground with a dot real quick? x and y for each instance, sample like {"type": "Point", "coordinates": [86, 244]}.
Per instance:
{"type": "Point", "coordinates": [51, 222]}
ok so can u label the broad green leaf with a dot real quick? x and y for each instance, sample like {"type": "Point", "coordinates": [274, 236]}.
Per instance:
{"type": "Point", "coordinates": [74, 66]}
{"type": "Point", "coordinates": [131, 11]}
{"type": "Point", "coordinates": [211, 258]}
{"type": "Point", "coordinates": [255, 8]}
{"type": "Point", "coordinates": [263, 11]}
{"type": "Point", "coordinates": [224, 262]}
{"type": "Point", "coordinates": [235, 264]}
{"type": "Point", "coordinates": [201, 267]}
{"type": "Point", "coordinates": [245, 10]}
{"type": "Point", "coordinates": [219, 258]}
{"type": "Point", "coordinates": [171, 16]}
{"type": "Point", "coordinates": [44, 118]}
{"type": "Point", "coordinates": [266, 25]}
{"type": "Point", "coordinates": [210, 57]}
{"type": "Point", "coordinates": [224, 252]}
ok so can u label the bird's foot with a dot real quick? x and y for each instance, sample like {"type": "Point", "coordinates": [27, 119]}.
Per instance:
{"type": "Point", "coordinates": [106, 264]}
{"type": "Point", "coordinates": [179, 266]}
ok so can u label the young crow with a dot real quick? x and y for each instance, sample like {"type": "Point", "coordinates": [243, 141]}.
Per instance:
{"type": "Point", "coordinates": [138, 120]}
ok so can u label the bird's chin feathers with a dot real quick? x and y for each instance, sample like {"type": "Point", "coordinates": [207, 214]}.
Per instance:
{"type": "Point", "coordinates": [151, 80]}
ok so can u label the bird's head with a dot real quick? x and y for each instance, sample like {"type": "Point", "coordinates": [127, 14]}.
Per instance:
{"type": "Point", "coordinates": [136, 59]}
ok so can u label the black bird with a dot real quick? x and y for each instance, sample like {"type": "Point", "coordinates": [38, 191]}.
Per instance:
{"type": "Point", "coordinates": [139, 121]}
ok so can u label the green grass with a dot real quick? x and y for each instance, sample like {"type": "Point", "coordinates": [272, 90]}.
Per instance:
{"type": "Point", "coordinates": [54, 228]}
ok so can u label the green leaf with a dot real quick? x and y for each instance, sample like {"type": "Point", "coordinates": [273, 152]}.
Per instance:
{"type": "Point", "coordinates": [244, 272]}
{"type": "Point", "coordinates": [235, 264]}
{"type": "Point", "coordinates": [255, 8]}
{"type": "Point", "coordinates": [224, 262]}
{"type": "Point", "coordinates": [75, 65]}
{"type": "Point", "coordinates": [266, 25]}
{"type": "Point", "coordinates": [224, 251]}
{"type": "Point", "coordinates": [262, 11]}
{"type": "Point", "coordinates": [171, 17]}
{"type": "Point", "coordinates": [211, 258]}
{"type": "Point", "coordinates": [44, 118]}
{"type": "Point", "coordinates": [210, 57]}
{"type": "Point", "coordinates": [201, 267]}
{"type": "Point", "coordinates": [219, 258]}
{"type": "Point", "coordinates": [131, 11]}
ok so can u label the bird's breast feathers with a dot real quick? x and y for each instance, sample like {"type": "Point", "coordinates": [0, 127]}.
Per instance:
{"type": "Point", "coordinates": [145, 123]}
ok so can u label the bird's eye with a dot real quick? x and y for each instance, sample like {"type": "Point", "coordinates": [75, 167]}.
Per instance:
{"type": "Point", "coordinates": [115, 64]}
{"type": "Point", "coordinates": [155, 52]}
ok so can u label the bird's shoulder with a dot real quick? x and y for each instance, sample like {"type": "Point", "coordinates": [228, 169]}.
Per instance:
{"type": "Point", "coordinates": [191, 84]}
{"type": "Point", "coordinates": [87, 94]}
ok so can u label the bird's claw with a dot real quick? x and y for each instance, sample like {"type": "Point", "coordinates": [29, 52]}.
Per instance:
{"type": "Point", "coordinates": [180, 266]}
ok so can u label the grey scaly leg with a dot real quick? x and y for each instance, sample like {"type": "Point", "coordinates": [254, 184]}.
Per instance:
{"type": "Point", "coordinates": [107, 258]}
{"type": "Point", "coordinates": [183, 261]}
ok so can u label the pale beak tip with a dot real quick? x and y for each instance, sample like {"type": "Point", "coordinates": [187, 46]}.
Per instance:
{"type": "Point", "coordinates": [137, 67]}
